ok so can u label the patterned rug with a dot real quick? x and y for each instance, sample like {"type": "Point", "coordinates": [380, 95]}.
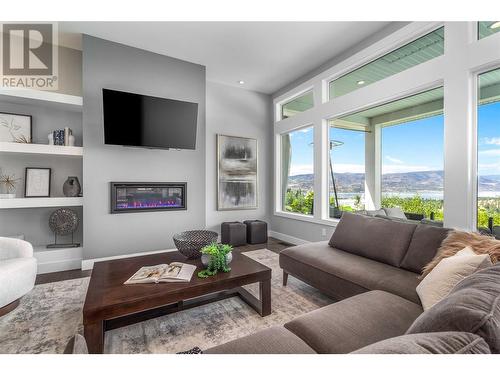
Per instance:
{"type": "Point", "coordinates": [52, 313]}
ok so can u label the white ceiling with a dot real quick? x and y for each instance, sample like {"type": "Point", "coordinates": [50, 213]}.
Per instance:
{"type": "Point", "coordinates": [266, 55]}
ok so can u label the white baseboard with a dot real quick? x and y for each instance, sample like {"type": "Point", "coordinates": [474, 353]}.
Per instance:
{"type": "Point", "coordinates": [287, 238]}
{"type": "Point", "coordinates": [88, 264]}
{"type": "Point", "coordinates": [56, 260]}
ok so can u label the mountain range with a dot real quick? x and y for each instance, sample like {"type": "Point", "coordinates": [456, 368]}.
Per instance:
{"type": "Point", "coordinates": [393, 182]}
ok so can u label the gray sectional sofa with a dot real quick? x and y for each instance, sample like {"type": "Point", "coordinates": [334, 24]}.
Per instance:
{"type": "Point", "coordinates": [372, 266]}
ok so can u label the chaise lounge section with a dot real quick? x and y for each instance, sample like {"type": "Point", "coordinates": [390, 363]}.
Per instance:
{"type": "Point", "coordinates": [373, 265]}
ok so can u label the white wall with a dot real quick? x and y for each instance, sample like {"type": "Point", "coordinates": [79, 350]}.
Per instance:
{"type": "Point", "coordinates": [234, 111]}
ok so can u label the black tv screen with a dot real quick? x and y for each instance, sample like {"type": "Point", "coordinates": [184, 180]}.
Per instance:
{"type": "Point", "coordinates": [147, 121]}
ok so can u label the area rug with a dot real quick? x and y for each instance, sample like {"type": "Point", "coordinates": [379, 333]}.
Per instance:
{"type": "Point", "coordinates": [52, 313]}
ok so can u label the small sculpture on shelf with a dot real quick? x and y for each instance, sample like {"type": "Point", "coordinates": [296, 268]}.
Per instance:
{"type": "Point", "coordinates": [216, 257]}
{"type": "Point", "coordinates": [63, 222]}
{"type": "Point", "coordinates": [72, 187]}
{"type": "Point", "coordinates": [8, 186]}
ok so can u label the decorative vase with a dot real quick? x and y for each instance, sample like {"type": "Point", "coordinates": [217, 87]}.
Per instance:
{"type": "Point", "coordinates": [205, 258]}
{"type": "Point", "coordinates": [71, 187]}
{"type": "Point", "coordinates": [71, 140]}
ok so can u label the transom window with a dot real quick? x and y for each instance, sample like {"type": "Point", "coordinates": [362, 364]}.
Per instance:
{"type": "Point", "coordinates": [299, 104]}
{"type": "Point", "coordinates": [414, 53]}
{"type": "Point", "coordinates": [487, 28]}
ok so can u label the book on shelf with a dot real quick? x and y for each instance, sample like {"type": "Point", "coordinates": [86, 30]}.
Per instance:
{"type": "Point", "coordinates": [163, 273]}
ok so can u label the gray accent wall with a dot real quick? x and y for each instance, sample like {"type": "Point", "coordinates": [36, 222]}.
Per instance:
{"type": "Point", "coordinates": [116, 66]}
{"type": "Point", "coordinates": [243, 113]}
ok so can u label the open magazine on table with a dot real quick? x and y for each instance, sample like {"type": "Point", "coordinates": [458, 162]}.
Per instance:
{"type": "Point", "coordinates": [163, 273]}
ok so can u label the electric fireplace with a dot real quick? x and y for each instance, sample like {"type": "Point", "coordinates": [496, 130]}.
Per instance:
{"type": "Point", "coordinates": [147, 196]}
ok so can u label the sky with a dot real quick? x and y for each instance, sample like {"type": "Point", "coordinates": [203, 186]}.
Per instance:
{"type": "Point", "coordinates": [488, 139]}
{"type": "Point", "coordinates": [408, 147]}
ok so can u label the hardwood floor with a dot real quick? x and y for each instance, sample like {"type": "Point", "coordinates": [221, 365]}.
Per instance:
{"type": "Point", "coordinates": [272, 244]}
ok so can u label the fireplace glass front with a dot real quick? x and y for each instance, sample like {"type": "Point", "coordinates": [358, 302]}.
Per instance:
{"type": "Point", "coordinates": [137, 197]}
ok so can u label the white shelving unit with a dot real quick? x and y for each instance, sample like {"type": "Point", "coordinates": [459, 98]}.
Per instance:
{"type": "Point", "coordinates": [39, 149]}
{"type": "Point", "coordinates": [49, 260]}
{"type": "Point", "coordinates": [42, 98]}
{"type": "Point", "coordinates": [41, 202]}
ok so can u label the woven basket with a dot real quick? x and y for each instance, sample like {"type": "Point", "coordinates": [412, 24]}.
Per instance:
{"type": "Point", "coordinates": [190, 243]}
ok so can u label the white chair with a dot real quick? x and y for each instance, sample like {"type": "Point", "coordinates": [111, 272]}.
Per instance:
{"type": "Point", "coordinates": [17, 272]}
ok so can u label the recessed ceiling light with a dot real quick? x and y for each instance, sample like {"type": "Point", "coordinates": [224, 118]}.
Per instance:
{"type": "Point", "coordinates": [241, 82]}
{"type": "Point", "coordinates": [495, 25]}
{"type": "Point", "coordinates": [361, 82]}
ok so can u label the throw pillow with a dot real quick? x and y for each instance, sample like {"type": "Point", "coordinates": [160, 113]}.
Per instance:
{"type": "Point", "coordinates": [429, 343]}
{"type": "Point", "coordinates": [473, 306]}
{"type": "Point", "coordinates": [457, 240]}
{"type": "Point", "coordinates": [448, 273]}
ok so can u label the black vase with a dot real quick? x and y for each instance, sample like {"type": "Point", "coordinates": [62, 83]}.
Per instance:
{"type": "Point", "coordinates": [71, 187]}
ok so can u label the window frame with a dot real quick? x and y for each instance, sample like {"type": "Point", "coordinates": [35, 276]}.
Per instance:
{"type": "Point", "coordinates": [467, 56]}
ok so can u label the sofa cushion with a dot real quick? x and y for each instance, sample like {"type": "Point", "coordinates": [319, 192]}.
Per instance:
{"type": "Point", "coordinates": [315, 261]}
{"type": "Point", "coordinates": [448, 273]}
{"type": "Point", "coordinates": [423, 247]}
{"type": "Point", "coordinates": [274, 340]}
{"type": "Point", "coordinates": [429, 343]}
{"type": "Point", "coordinates": [355, 322]}
{"type": "Point", "coordinates": [472, 306]}
{"type": "Point", "coordinates": [382, 240]}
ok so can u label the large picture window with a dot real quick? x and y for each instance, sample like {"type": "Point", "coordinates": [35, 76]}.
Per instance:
{"type": "Point", "coordinates": [346, 167]}
{"type": "Point", "coordinates": [414, 53]}
{"type": "Point", "coordinates": [488, 140]}
{"type": "Point", "coordinates": [297, 171]}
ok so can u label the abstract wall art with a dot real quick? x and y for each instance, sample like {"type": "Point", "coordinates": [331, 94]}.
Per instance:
{"type": "Point", "coordinates": [236, 173]}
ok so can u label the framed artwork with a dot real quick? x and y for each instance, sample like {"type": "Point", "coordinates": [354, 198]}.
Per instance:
{"type": "Point", "coordinates": [236, 173]}
{"type": "Point", "coordinates": [37, 182]}
{"type": "Point", "coordinates": [15, 128]}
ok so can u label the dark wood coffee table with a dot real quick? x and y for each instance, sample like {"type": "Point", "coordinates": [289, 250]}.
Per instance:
{"type": "Point", "coordinates": [109, 304]}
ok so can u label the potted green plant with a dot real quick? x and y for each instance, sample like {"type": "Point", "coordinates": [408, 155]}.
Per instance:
{"type": "Point", "coordinates": [216, 257]}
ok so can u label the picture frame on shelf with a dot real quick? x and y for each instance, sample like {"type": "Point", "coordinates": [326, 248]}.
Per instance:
{"type": "Point", "coordinates": [15, 127]}
{"type": "Point", "coordinates": [37, 182]}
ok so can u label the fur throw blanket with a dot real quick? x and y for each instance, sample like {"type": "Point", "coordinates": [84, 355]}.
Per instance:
{"type": "Point", "coordinates": [457, 240]}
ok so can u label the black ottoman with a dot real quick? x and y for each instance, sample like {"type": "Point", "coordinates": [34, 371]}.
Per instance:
{"type": "Point", "coordinates": [233, 233]}
{"type": "Point", "coordinates": [256, 231]}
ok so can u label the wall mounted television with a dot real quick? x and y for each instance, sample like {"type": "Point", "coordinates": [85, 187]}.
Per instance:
{"type": "Point", "coordinates": [147, 121]}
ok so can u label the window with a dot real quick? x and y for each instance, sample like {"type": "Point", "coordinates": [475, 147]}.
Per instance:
{"type": "Point", "coordinates": [346, 167]}
{"type": "Point", "coordinates": [299, 104]}
{"type": "Point", "coordinates": [297, 171]}
{"type": "Point", "coordinates": [487, 28]}
{"type": "Point", "coordinates": [488, 140]}
{"type": "Point", "coordinates": [411, 154]}
{"type": "Point", "coordinates": [420, 50]}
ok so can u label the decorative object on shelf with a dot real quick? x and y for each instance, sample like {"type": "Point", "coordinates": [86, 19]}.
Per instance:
{"type": "Point", "coordinates": [191, 242]}
{"type": "Point", "coordinates": [51, 139]}
{"type": "Point", "coordinates": [71, 140]}
{"type": "Point", "coordinates": [219, 258]}
{"type": "Point", "coordinates": [206, 257]}
{"type": "Point", "coordinates": [63, 222]}
{"type": "Point", "coordinates": [58, 137]}
{"type": "Point", "coordinates": [72, 187]}
{"type": "Point", "coordinates": [8, 186]}
{"type": "Point", "coordinates": [15, 128]}
{"type": "Point", "coordinates": [236, 173]}
{"type": "Point", "coordinates": [37, 182]}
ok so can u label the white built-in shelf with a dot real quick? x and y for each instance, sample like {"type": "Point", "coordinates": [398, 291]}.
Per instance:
{"type": "Point", "coordinates": [42, 98]}
{"type": "Point", "coordinates": [41, 202]}
{"type": "Point", "coordinates": [39, 149]}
